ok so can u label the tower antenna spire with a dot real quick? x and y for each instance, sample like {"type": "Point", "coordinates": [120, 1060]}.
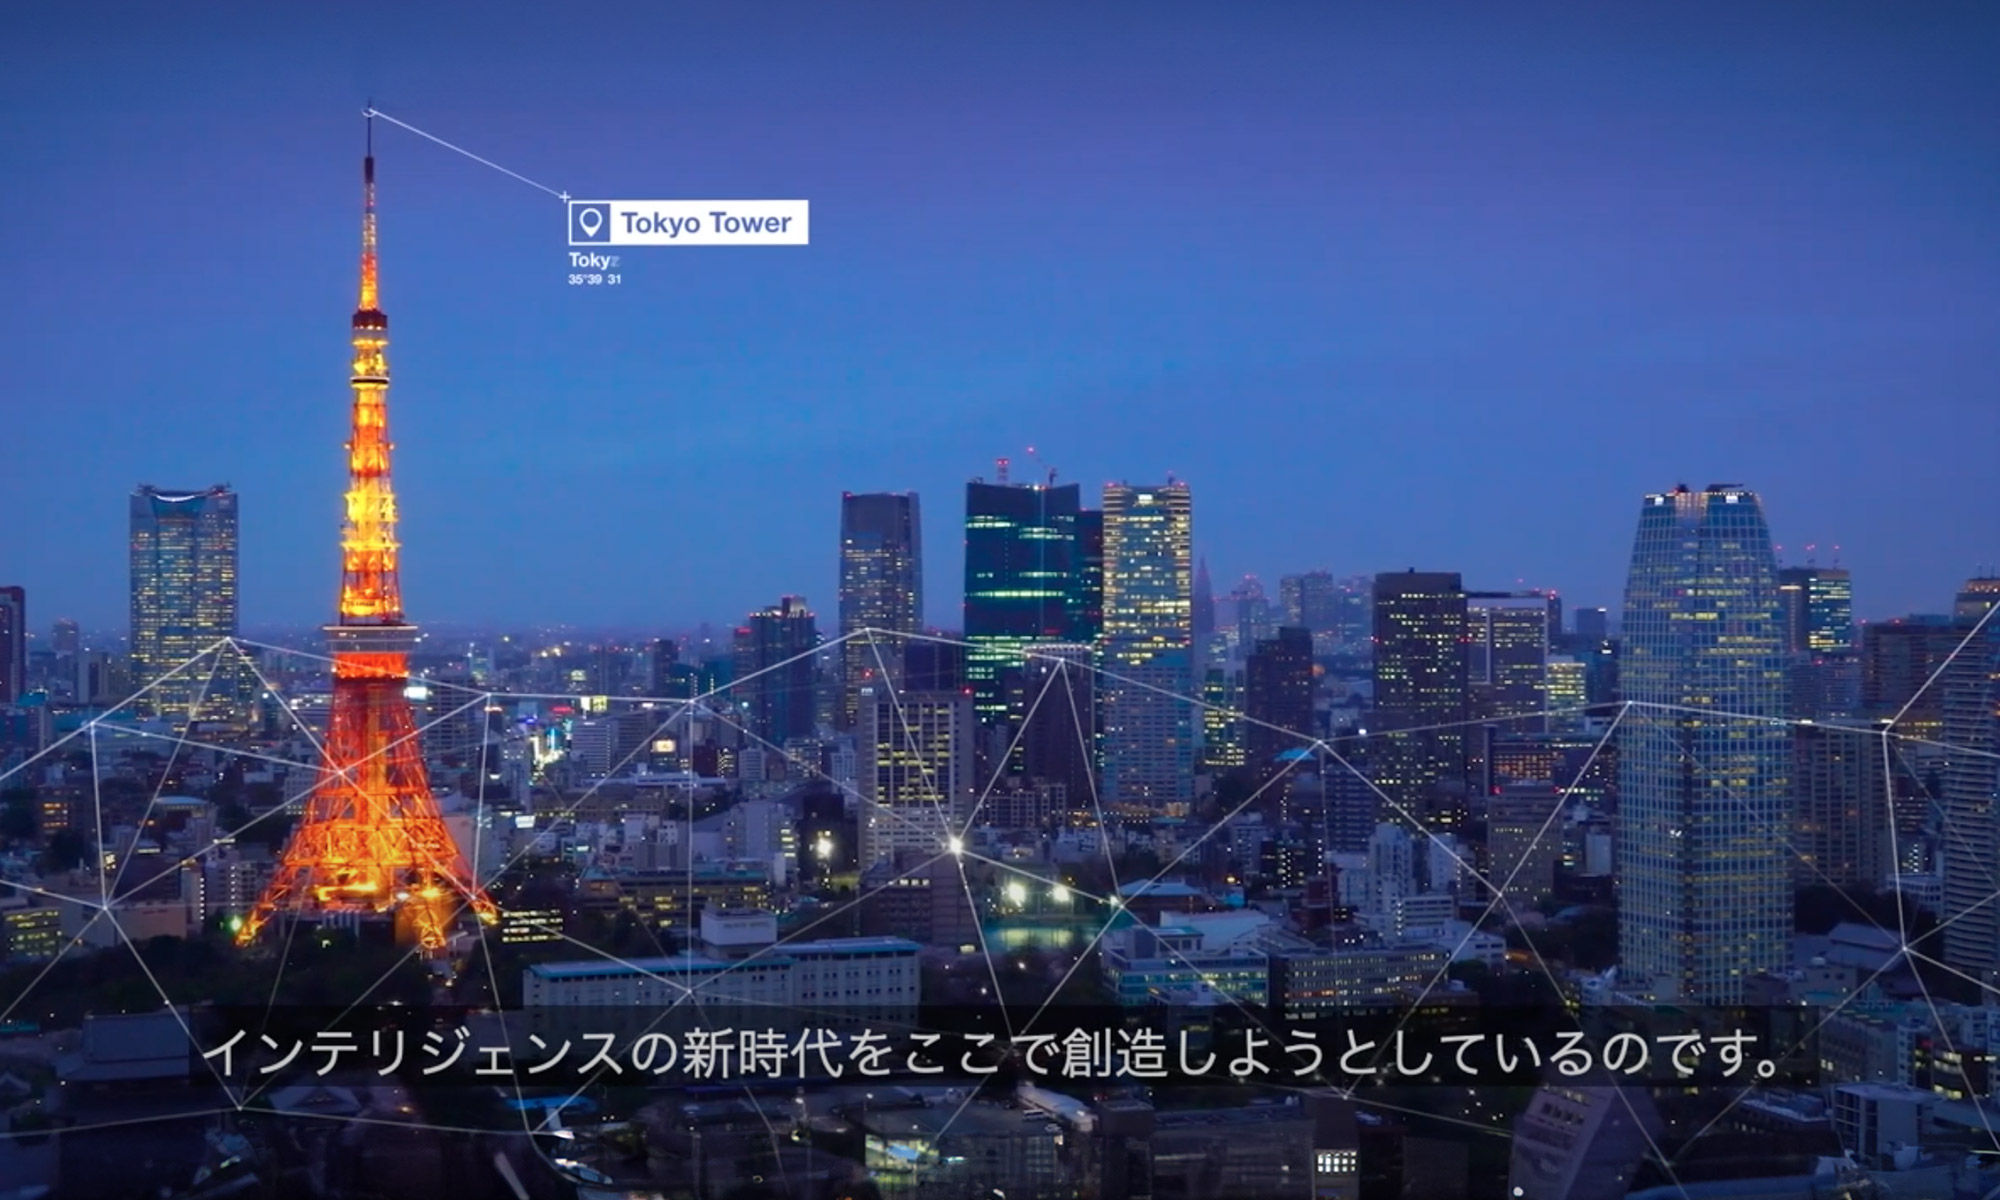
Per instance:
{"type": "Point", "coordinates": [370, 294]}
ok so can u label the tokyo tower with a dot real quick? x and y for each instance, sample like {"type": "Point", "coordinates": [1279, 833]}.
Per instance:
{"type": "Point", "coordinates": [371, 840]}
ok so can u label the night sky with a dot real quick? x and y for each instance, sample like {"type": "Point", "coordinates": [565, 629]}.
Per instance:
{"type": "Point", "coordinates": [1389, 285]}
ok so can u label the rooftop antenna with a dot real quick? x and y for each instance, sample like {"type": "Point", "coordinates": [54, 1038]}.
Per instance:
{"type": "Point", "coordinates": [1000, 468]}
{"type": "Point", "coordinates": [1037, 460]}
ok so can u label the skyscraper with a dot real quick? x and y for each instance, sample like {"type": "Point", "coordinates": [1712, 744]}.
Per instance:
{"type": "Point", "coordinates": [1278, 697]}
{"type": "Point", "coordinates": [1900, 659]}
{"type": "Point", "coordinates": [881, 587]}
{"type": "Point", "coordinates": [1149, 737]}
{"type": "Point", "coordinates": [183, 592]}
{"type": "Point", "coordinates": [1204, 602]}
{"type": "Point", "coordinates": [775, 671]}
{"type": "Point", "coordinates": [914, 763]}
{"type": "Point", "coordinates": [1354, 620]}
{"type": "Point", "coordinates": [1222, 745]}
{"type": "Point", "coordinates": [1253, 613]}
{"type": "Point", "coordinates": [1592, 625]}
{"type": "Point", "coordinates": [13, 644]}
{"type": "Point", "coordinates": [1705, 880]}
{"type": "Point", "coordinates": [1507, 643]}
{"type": "Point", "coordinates": [1020, 579]}
{"type": "Point", "coordinates": [1819, 633]}
{"type": "Point", "coordinates": [1059, 730]}
{"type": "Point", "coordinates": [1841, 816]}
{"type": "Point", "coordinates": [1970, 796]}
{"type": "Point", "coordinates": [1421, 685]}
{"type": "Point", "coordinates": [1310, 601]}
{"type": "Point", "coordinates": [1086, 603]}
{"type": "Point", "coordinates": [1819, 609]}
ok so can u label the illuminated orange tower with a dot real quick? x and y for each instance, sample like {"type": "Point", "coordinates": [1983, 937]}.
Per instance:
{"type": "Point", "coordinates": [371, 840]}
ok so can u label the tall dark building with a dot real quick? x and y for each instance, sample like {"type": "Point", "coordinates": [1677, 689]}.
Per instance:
{"type": "Point", "coordinates": [1222, 745]}
{"type": "Point", "coordinates": [1059, 732]}
{"type": "Point", "coordinates": [1898, 659]}
{"type": "Point", "coordinates": [1819, 609]}
{"type": "Point", "coordinates": [663, 676]}
{"type": "Point", "coordinates": [1021, 551]}
{"type": "Point", "coordinates": [1086, 608]}
{"type": "Point", "coordinates": [930, 666]}
{"type": "Point", "coordinates": [1354, 620]}
{"type": "Point", "coordinates": [1255, 616]}
{"type": "Point", "coordinates": [1421, 685]}
{"type": "Point", "coordinates": [1592, 625]}
{"type": "Point", "coordinates": [775, 671]}
{"type": "Point", "coordinates": [13, 644]}
{"type": "Point", "coordinates": [881, 588]}
{"type": "Point", "coordinates": [1278, 697]}
{"type": "Point", "coordinates": [1841, 813]}
{"type": "Point", "coordinates": [183, 550]}
{"type": "Point", "coordinates": [1204, 602]}
{"type": "Point", "coordinates": [1310, 601]}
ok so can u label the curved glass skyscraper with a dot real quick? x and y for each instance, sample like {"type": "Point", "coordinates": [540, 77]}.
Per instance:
{"type": "Point", "coordinates": [1703, 751]}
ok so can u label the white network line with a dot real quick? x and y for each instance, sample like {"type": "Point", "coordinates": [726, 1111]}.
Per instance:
{"type": "Point", "coordinates": [689, 706]}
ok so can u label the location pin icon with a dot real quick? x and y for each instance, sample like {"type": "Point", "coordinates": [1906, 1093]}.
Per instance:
{"type": "Point", "coordinates": [591, 220]}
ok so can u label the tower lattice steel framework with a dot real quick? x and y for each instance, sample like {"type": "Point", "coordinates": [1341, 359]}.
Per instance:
{"type": "Point", "coordinates": [371, 839]}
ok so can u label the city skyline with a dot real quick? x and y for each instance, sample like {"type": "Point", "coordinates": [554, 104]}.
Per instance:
{"type": "Point", "coordinates": [1506, 356]}
{"type": "Point", "coordinates": [943, 607]}
{"type": "Point", "coordinates": [1559, 310]}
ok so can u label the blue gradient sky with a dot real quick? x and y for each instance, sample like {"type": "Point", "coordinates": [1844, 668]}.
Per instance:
{"type": "Point", "coordinates": [1446, 287]}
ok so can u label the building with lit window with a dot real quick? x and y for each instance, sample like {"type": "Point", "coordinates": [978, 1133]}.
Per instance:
{"type": "Point", "coordinates": [29, 933]}
{"type": "Point", "coordinates": [1524, 842]}
{"type": "Point", "coordinates": [1900, 660]}
{"type": "Point", "coordinates": [881, 587]}
{"type": "Point", "coordinates": [523, 925]}
{"type": "Point", "coordinates": [915, 769]}
{"type": "Point", "coordinates": [1568, 693]}
{"type": "Point", "coordinates": [1222, 733]}
{"type": "Point", "coordinates": [1582, 1142]}
{"type": "Point", "coordinates": [775, 672]}
{"type": "Point", "coordinates": [14, 644]}
{"type": "Point", "coordinates": [1308, 985]}
{"type": "Point", "coordinates": [1278, 697]}
{"type": "Point", "coordinates": [871, 972]}
{"type": "Point", "coordinates": [1149, 727]}
{"type": "Point", "coordinates": [1842, 822]}
{"type": "Point", "coordinates": [1310, 601]}
{"type": "Point", "coordinates": [1507, 654]}
{"type": "Point", "coordinates": [1704, 752]}
{"type": "Point", "coordinates": [1086, 604]}
{"type": "Point", "coordinates": [674, 899]}
{"type": "Point", "coordinates": [1421, 686]}
{"type": "Point", "coordinates": [1819, 609]}
{"type": "Point", "coordinates": [183, 584]}
{"type": "Point", "coordinates": [1970, 683]}
{"type": "Point", "coordinates": [1020, 580]}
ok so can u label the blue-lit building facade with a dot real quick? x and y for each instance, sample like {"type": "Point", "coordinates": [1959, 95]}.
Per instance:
{"type": "Point", "coordinates": [1703, 751]}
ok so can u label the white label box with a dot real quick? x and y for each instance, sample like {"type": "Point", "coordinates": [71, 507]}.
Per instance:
{"type": "Point", "coordinates": [688, 222]}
